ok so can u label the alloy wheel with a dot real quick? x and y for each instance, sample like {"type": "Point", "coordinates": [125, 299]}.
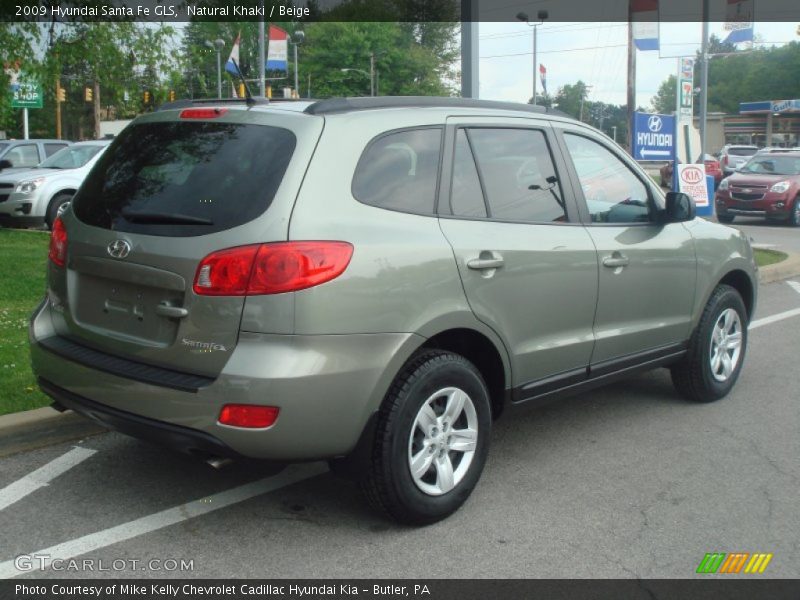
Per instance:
{"type": "Point", "coordinates": [443, 440]}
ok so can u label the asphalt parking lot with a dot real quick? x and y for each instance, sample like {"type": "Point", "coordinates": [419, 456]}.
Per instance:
{"type": "Point", "coordinates": [779, 236]}
{"type": "Point", "coordinates": [627, 481]}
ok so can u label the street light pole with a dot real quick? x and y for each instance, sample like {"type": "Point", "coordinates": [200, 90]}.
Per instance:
{"type": "Point", "coordinates": [541, 15]}
{"type": "Point", "coordinates": [218, 44]}
{"type": "Point", "coordinates": [297, 38]}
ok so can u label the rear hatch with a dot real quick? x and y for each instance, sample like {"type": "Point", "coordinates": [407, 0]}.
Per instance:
{"type": "Point", "coordinates": [172, 189]}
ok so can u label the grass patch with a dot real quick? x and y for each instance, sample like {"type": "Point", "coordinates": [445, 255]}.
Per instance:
{"type": "Point", "coordinates": [23, 264]}
{"type": "Point", "coordinates": [768, 257]}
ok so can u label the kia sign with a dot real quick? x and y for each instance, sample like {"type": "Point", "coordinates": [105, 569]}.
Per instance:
{"type": "Point", "coordinates": [692, 181]}
{"type": "Point", "coordinates": [653, 136]}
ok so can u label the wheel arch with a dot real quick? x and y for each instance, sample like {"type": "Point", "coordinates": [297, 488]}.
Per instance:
{"type": "Point", "coordinates": [481, 351]}
{"type": "Point", "coordinates": [742, 283]}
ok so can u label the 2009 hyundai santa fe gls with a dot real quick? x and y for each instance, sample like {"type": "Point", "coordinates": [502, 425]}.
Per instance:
{"type": "Point", "coordinates": [370, 281]}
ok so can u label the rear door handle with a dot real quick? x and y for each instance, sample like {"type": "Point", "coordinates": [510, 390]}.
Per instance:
{"type": "Point", "coordinates": [175, 312]}
{"type": "Point", "coordinates": [480, 264]}
{"type": "Point", "coordinates": [616, 260]}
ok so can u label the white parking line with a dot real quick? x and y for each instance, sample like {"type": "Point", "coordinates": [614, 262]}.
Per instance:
{"type": "Point", "coordinates": [42, 476]}
{"type": "Point", "coordinates": [774, 318]}
{"type": "Point", "coordinates": [171, 516]}
{"type": "Point", "coordinates": [794, 285]}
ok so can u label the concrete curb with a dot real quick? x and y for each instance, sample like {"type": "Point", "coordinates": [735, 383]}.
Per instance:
{"type": "Point", "coordinates": [782, 270]}
{"type": "Point", "coordinates": [32, 429]}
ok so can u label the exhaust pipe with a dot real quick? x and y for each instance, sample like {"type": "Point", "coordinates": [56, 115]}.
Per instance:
{"type": "Point", "coordinates": [218, 462]}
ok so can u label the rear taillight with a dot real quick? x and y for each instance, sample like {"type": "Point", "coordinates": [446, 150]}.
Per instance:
{"type": "Point", "coordinates": [58, 243]}
{"type": "Point", "coordinates": [249, 416]}
{"type": "Point", "coordinates": [271, 268]}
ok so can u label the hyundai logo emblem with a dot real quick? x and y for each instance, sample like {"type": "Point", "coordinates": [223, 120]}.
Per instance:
{"type": "Point", "coordinates": [654, 123]}
{"type": "Point", "coordinates": [119, 249]}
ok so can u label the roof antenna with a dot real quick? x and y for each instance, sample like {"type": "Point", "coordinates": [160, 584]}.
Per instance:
{"type": "Point", "coordinates": [248, 97]}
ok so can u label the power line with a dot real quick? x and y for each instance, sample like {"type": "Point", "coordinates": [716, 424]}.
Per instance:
{"type": "Point", "coordinates": [607, 46]}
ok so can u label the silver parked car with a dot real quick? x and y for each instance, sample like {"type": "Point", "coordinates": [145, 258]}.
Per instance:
{"type": "Point", "coordinates": [37, 196]}
{"type": "Point", "coordinates": [372, 282]}
{"type": "Point", "coordinates": [733, 156]}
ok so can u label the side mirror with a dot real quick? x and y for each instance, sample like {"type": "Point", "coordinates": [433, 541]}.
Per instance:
{"type": "Point", "coordinates": [680, 208]}
{"type": "Point", "coordinates": [6, 164]}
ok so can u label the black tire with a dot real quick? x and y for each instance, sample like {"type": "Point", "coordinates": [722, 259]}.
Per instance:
{"type": "Point", "coordinates": [52, 208]}
{"type": "Point", "coordinates": [794, 217]}
{"type": "Point", "coordinates": [693, 376]}
{"type": "Point", "coordinates": [726, 219]}
{"type": "Point", "coordinates": [389, 486]}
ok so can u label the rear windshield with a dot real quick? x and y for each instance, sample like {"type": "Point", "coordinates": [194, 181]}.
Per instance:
{"type": "Point", "coordinates": [742, 151]}
{"type": "Point", "coordinates": [185, 178]}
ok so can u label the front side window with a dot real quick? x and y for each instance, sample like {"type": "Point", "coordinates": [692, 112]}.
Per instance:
{"type": "Point", "coordinates": [400, 171]}
{"type": "Point", "coordinates": [518, 175]}
{"type": "Point", "coordinates": [25, 155]}
{"type": "Point", "coordinates": [613, 193]}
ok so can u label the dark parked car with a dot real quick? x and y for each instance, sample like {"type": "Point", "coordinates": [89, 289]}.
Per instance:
{"type": "Point", "coordinates": [766, 186]}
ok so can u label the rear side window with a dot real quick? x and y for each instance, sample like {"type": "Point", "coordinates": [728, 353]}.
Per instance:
{"type": "Point", "coordinates": [518, 175]}
{"type": "Point", "coordinates": [400, 171]}
{"type": "Point", "coordinates": [466, 196]}
{"type": "Point", "coordinates": [185, 178]}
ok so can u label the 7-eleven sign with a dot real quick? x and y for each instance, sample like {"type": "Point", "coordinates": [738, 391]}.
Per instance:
{"type": "Point", "coordinates": [687, 95]}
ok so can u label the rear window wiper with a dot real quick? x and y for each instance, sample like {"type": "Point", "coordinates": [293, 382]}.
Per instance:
{"type": "Point", "coordinates": [156, 218]}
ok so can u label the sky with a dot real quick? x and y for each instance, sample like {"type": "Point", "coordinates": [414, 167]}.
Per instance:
{"type": "Point", "coordinates": [595, 53]}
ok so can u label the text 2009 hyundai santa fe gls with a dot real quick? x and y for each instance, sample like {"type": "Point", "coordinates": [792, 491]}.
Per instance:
{"type": "Point", "coordinates": [370, 281]}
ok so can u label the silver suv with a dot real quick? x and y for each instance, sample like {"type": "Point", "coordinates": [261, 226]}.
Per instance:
{"type": "Point", "coordinates": [372, 281]}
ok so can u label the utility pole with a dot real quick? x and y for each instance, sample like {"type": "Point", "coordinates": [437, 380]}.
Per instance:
{"type": "Point", "coordinates": [631, 79]}
{"type": "Point", "coordinates": [262, 60]}
{"type": "Point", "coordinates": [96, 107]}
{"type": "Point", "coordinates": [704, 84]}
{"type": "Point", "coordinates": [58, 107]}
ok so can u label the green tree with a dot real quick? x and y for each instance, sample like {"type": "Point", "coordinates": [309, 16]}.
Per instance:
{"type": "Point", "coordinates": [571, 97]}
{"type": "Point", "coordinates": [733, 77]}
{"type": "Point", "coordinates": [664, 101]}
{"type": "Point", "coordinates": [18, 42]}
{"type": "Point", "coordinates": [410, 59]}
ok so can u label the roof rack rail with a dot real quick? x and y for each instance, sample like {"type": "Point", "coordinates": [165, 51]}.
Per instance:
{"type": "Point", "coordinates": [186, 102]}
{"type": "Point", "coordinates": [339, 105]}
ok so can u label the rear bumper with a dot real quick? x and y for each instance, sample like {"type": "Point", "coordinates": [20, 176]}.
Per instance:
{"type": "Point", "coordinates": [326, 387]}
{"type": "Point", "coordinates": [182, 439]}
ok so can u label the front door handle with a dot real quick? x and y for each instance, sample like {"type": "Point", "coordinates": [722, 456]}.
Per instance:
{"type": "Point", "coordinates": [616, 260]}
{"type": "Point", "coordinates": [480, 264]}
{"type": "Point", "coordinates": [167, 310]}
